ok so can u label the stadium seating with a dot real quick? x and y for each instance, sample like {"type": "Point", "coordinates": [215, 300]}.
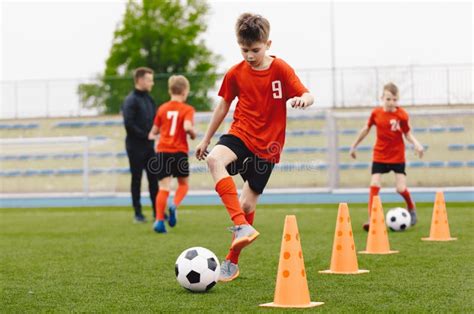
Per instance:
{"type": "Point", "coordinates": [285, 167]}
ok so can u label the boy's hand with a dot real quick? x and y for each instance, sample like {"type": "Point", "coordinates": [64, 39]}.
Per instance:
{"type": "Point", "coordinates": [192, 134]}
{"type": "Point", "coordinates": [201, 150]}
{"type": "Point", "coordinates": [297, 103]}
{"type": "Point", "coordinates": [419, 150]}
{"type": "Point", "coordinates": [352, 152]}
{"type": "Point", "coordinates": [153, 137]}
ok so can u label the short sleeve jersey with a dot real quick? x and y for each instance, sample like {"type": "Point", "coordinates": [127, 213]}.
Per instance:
{"type": "Point", "coordinates": [389, 146]}
{"type": "Point", "coordinates": [169, 119]}
{"type": "Point", "coordinates": [260, 113]}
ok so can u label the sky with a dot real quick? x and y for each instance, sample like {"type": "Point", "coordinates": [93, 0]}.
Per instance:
{"type": "Point", "coordinates": [72, 39]}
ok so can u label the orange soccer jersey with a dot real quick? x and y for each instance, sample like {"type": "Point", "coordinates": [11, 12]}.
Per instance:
{"type": "Point", "coordinates": [389, 147]}
{"type": "Point", "coordinates": [260, 114]}
{"type": "Point", "coordinates": [169, 119]}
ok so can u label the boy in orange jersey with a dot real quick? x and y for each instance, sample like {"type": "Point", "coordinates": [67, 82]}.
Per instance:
{"type": "Point", "coordinates": [391, 122]}
{"type": "Point", "coordinates": [264, 84]}
{"type": "Point", "coordinates": [173, 122]}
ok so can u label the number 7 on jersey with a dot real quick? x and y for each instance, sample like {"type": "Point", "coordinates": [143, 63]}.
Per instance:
{"type": "Point", "coordinates": [173, 115]}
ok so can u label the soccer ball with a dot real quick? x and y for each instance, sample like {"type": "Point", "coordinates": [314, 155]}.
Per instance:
{"type": "Point", "coordinates": [197, 269]}
{"type": "Point", "coordinates": [398, 219]}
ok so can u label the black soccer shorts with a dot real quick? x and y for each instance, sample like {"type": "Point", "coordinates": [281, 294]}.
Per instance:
{"type": "Point", "coordinates": [171, 164]}
{"type": "Point", "coordinates": [254, 170]}
{"type": "Point", "coordinates": [380, 167]}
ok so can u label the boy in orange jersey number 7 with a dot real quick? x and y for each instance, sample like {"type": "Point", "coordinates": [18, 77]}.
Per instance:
{"type": "Point", "coordinates": [389, 151]}
{"type": "Point", "coordinates": [173, 122]}
{"type": "Point", "coordinates": [263, 84]}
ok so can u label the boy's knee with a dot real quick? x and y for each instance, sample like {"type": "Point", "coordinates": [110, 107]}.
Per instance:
{"type": "Point", "coordinates": [212, 162]}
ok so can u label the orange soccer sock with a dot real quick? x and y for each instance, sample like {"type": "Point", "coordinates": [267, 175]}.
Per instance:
{"type": "Point", "coordinates": [374, 190]}
{"type": "Point", "coordinates": [180, 194]}
{"type": "Point", "coordinates": [233, 255]}
{"type": "Point", "coordinates": [161, 201]}
{"type": "Point", "coordinates": [407, 197]}
{"type": "Point", "coordinates": [228, 193]}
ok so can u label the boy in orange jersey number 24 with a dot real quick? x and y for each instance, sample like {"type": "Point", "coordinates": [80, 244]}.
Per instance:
{"type": "Point", "coordinates": [391, 122]}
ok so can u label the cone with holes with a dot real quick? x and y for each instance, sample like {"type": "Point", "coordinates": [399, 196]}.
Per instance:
{"type": "Point", "coordinates": [439, 222]}
{"type": "Point", "coordinates": [377, 240]}
{"type": "Point", "coordinates": [344, 257]}
{"type": "Point", "coordinates": [291, 289]}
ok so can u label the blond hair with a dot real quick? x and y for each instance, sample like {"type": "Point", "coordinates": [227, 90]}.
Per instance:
{"type": "Point", "coordinates": [251, 28]}
{"type": "Point", "coordinates": [392, 88]}
{"type": "Point", "coordinates": [178, 84]}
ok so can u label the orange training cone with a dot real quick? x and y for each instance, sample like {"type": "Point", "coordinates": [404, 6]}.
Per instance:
{"type": "Point", "coordinates": [377, 240]}
{"type": "Point", "coordinates": [439, 222]}
{"type": "Point", "coordinates": [291, 289]}
{"type": "Point", "coordinates": [344, 257]}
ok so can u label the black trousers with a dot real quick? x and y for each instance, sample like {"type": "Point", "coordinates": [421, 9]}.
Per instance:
{"type": "Point", "coordinates": [139, 158]}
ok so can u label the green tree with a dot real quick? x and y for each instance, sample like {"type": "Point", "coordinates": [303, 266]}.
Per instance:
{"type": "Point", "coordinates": [163, 35]}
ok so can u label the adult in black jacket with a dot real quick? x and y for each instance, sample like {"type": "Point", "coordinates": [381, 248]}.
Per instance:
{"type": "Point", "coordinates": [138, 114]}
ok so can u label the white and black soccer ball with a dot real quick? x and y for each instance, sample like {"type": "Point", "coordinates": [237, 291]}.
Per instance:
{"type": "Point", "coordinates": [197, 269]}
{"type": "Point", "coordinates": [398, 219]}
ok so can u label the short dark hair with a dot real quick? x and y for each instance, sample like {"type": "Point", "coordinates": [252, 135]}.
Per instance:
{"type": "Point", "coordinates": [140, 72]}
{"type": "Point", "coordinates": [251, 28]}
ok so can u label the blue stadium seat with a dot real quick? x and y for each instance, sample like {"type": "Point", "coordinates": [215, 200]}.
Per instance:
{"type": "Point", "coordinates": [360, 165]}
{"type": "Point", "coordinates": [308, 150]}
{"type": "Point", "coordinates": [455, 147]}
{"type": "Point", "coordinates": [344, 148]}
{"type": "Point", "coordinates": [364, 148]}
{"type": "Point", "coordinates": [68, 171]}
{"type": "Point", "coordinates": [24, 157]}
{"type": "Point", "coordinates": [420, 130]}
{"type": "Point", "coordinates": [76, 124]}
{"type": "Point", "coordinates": [456, 129]}
{"type": "Point", "coordinates": [12, 173]}
{"type": "Point", "coordinates": [113, 123]}
{"type": "Point", "coordinates": [291, 150]}
{"type": "Point", "coordinates": [31, 172]}
{"type": "Point", "coordinates": [122, 170]}
{"type": "Point", "coordinates": [322, 167]}
{"type": "Point", "coordinates": [437, 129]}
{"type": "Point", "coordinates": [198, 169]}
{"type": "Point", "coordinates": [470, 146]}
{"type": "Point", "coordinates": [344, 166]}
{"type": "Point", "coordinates": [92, 124]}
{"type": "Point", "coordinates": [96, 171]}
{"type": "Point", "coordinates": [455, 164]}
{"type": "Point", "coordinates": [436, 164]}
{"type": "Point", "coordinates": [103, 155]}
{"type": "Point", "coordinates": [46, 172]}
{"type": "Point", "coordinates": [416, 164]}
{"type": "Point", "coordinates": [348, 131]}
{"type": "Point", "coordinates": [121, 154]}
{"type": "Point", "coordinates": [470, 163]}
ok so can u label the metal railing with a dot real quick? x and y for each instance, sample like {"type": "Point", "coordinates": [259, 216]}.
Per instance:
{"type": "Point", "coordinates": [449, 84]}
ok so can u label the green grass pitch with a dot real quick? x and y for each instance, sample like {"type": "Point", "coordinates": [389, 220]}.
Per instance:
{"type": "Point", "coordinates": [97, 260]}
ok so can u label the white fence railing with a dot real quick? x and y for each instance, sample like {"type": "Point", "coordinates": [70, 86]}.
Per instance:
{"type": "Point", "coordinates": [354, 87]}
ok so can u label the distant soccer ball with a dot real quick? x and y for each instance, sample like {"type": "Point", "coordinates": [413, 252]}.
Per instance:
{"type": "Point", "coordinates": [398, 219]}
{"type": "Point", "coordinates": [197, 269]}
